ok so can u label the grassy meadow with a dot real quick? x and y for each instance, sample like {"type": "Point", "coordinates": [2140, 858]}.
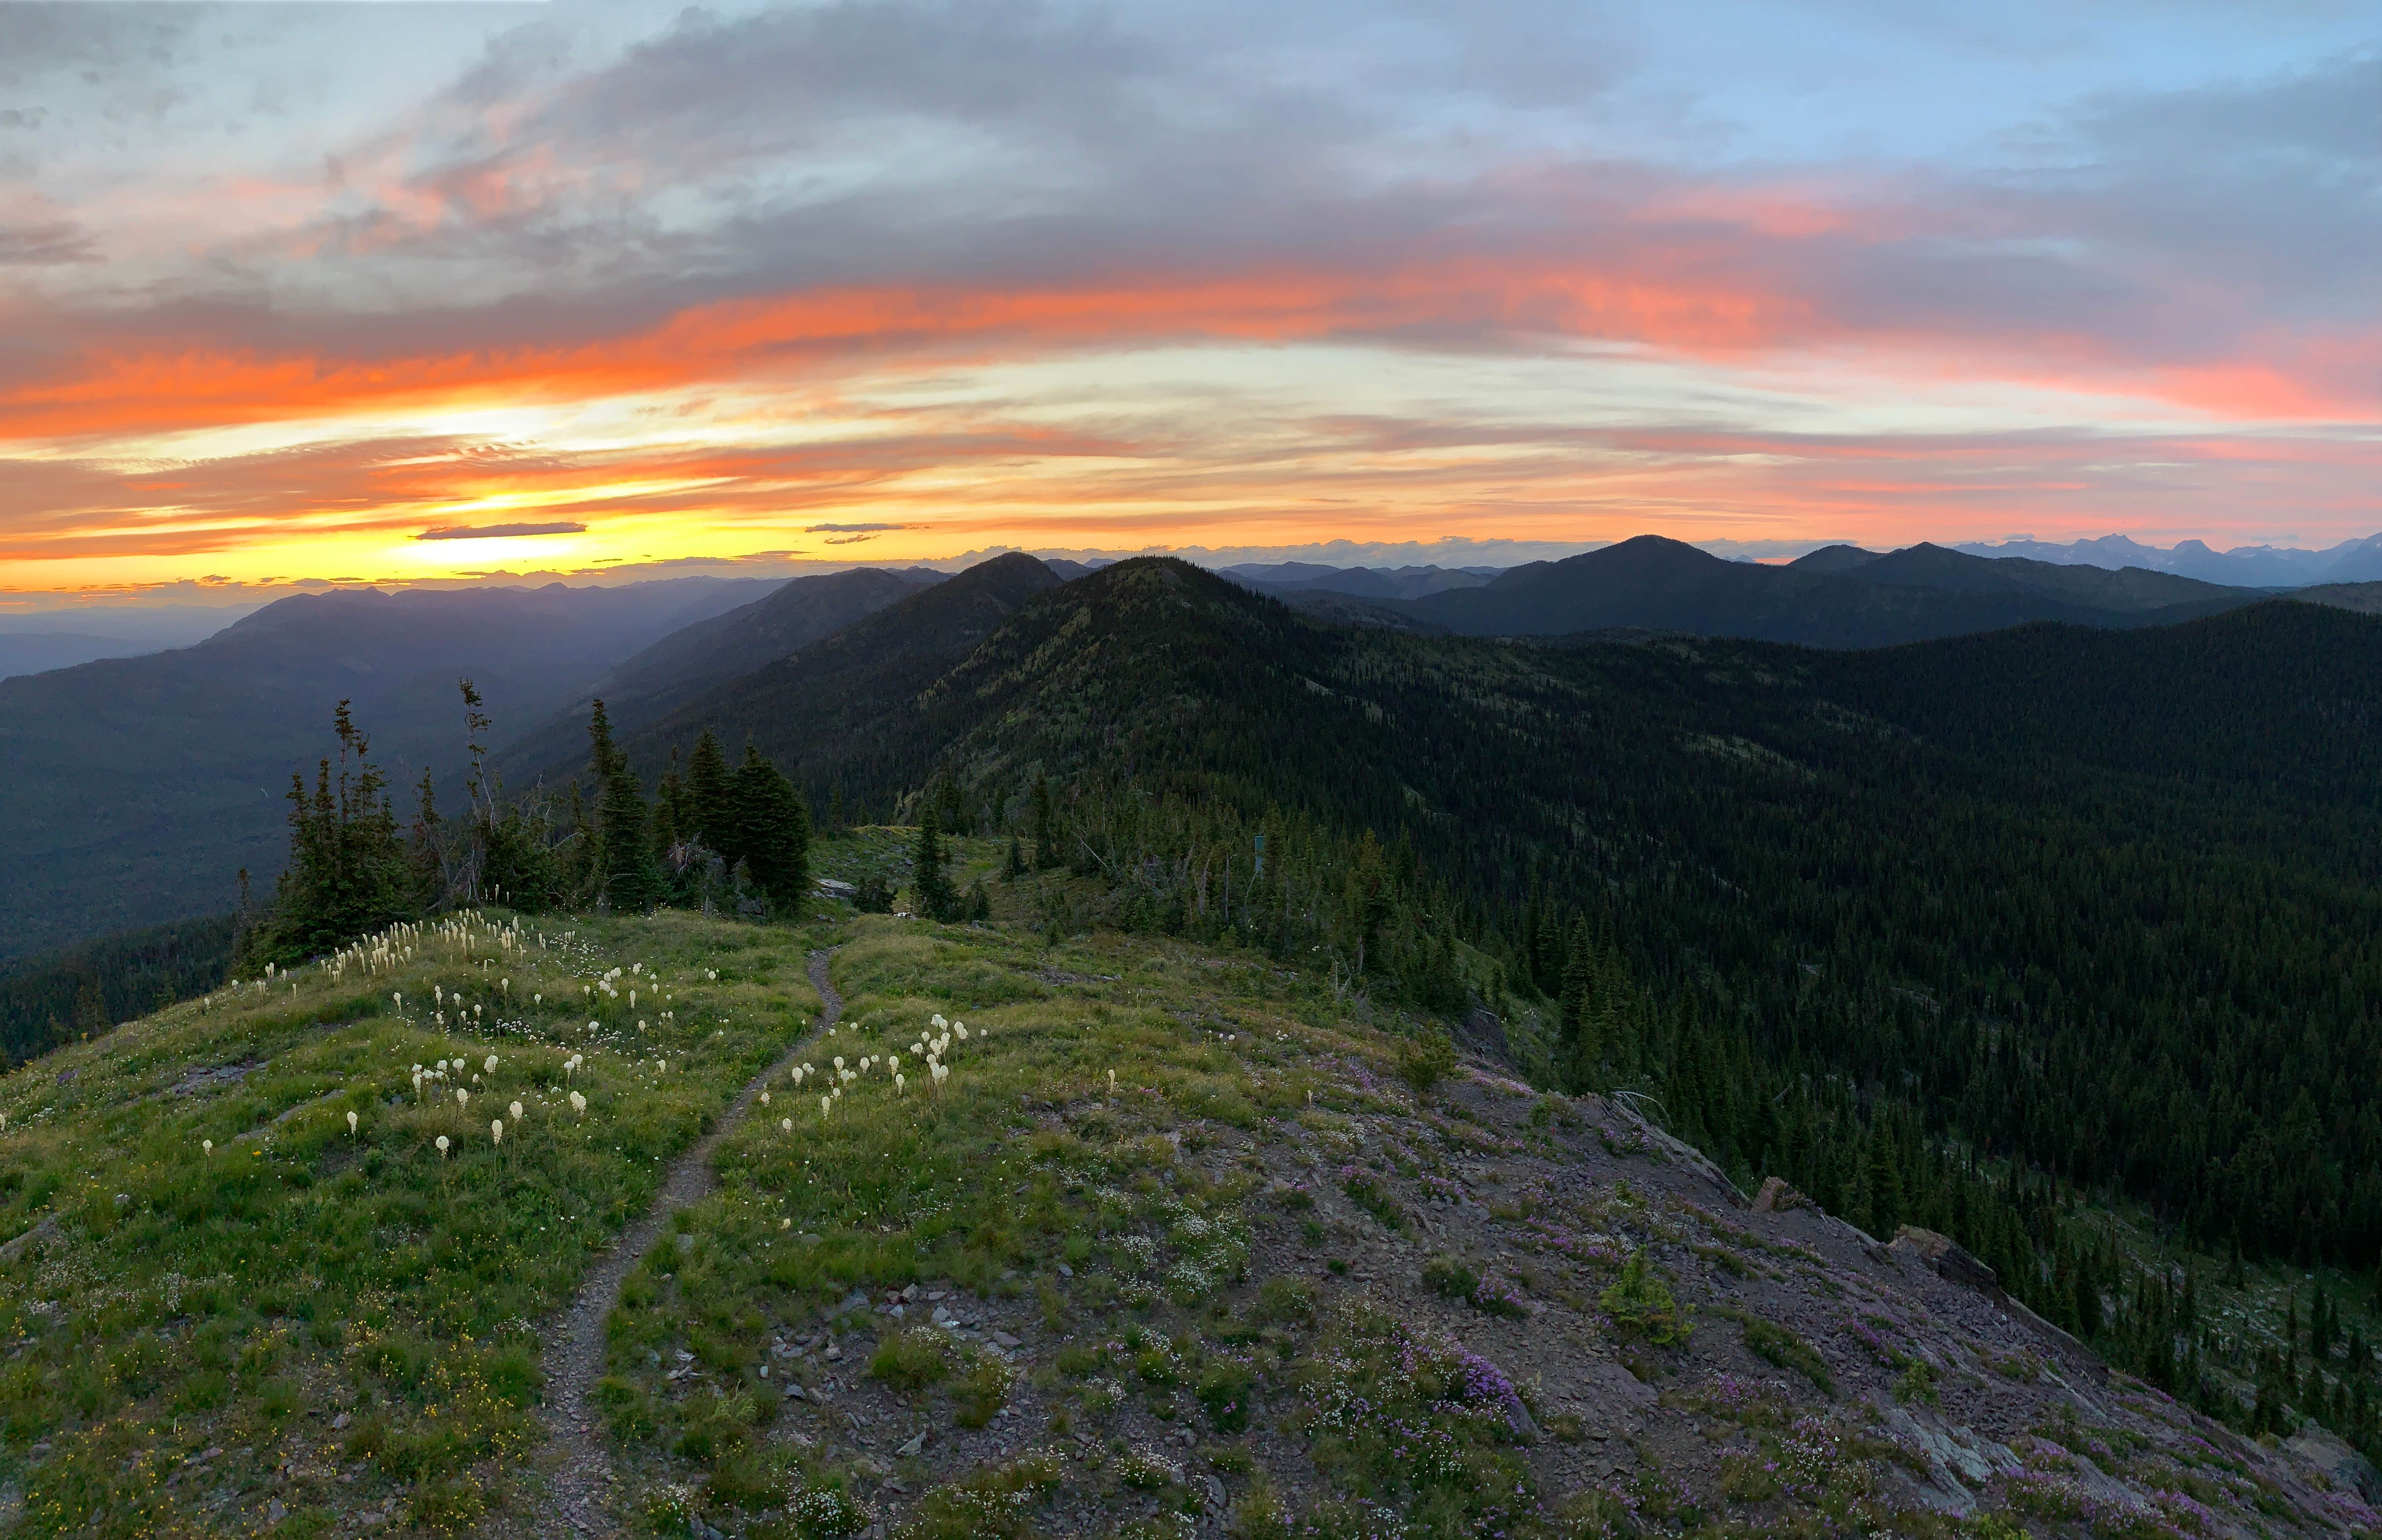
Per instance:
{"type": "Point", "coordinates": [253, 1292]}
{"type": "Point", "coordinates": [1055, 1232]}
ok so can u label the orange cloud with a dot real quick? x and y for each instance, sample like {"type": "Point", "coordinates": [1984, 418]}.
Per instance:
{"type": "Point", "coordinates": [118, 390]}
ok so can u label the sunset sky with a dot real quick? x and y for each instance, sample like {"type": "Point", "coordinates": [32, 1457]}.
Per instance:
{"type": "Point", "coordinates": [333, 290]}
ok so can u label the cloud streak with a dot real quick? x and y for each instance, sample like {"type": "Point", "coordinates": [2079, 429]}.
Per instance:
{"type": "Point", "coordinates": [727, 280]}
{"type": "Point", "coordinates": [501, 532]}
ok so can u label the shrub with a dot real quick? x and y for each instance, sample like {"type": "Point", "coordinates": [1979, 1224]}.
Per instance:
{"type": "Point", "coordinates": [1367, 1193]}
{"type": "Point", "coordinates": [1225, 1386]}
{"type": "Point", "coordinates": [1448, 1277]}
{"type": "Point", "coordinates": [1641, 1305]}
{"type": "Point", "coordinates": [1492, 1297]}
{"type": "Point", "coordinates": [988, 1504]}
{"type": "Point", "coordinates": [1286, 1299]}
{"type": "Point", "coordinates": [1768, 1340]}
{"type": "Point", "coordinates": [981, 1392]}
{"type": "Point", "coordinates": [911, 1360]}
{"type": "Point", "coordinates": [827, 1513]}
{"type": "Point", "coordinates": [1426, 1059]}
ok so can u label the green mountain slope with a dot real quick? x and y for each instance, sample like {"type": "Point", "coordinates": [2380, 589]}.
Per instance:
{"type": "Point", "coordinates": [2363, 598]}
{"type": "Point", "coordinates": [835, 715]}
{"type": "Point", "coordinates": [654, 682]}
{"type": "Point", "coordinates": [2049, 887]}
{"type": "Point", "coordinates": [1173, 1248]}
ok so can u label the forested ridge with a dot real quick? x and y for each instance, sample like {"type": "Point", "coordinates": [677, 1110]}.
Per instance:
{"type": "Point", "coordinates": [1940, 934]}
{"type": "Point", "coordinates": [2100, 900]}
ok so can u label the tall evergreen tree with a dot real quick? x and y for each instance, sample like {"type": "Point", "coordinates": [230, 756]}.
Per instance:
{"type": "Point", "coordinates": [1046, 826]}
{"type": "Point", "coordinates": [775, 826]}
{"type": "Point", "coordinates": [348, 867]}
{"type": "Point", "coordinates": [949, 809]}
{"type": "Point", "coordinates": [1883, 1178]}
{"type": "Point", "coordinates": [706, 800]}
{"type": "Point", "coordinates": [671, 823]}
{"type": "Point", "coordinates": [631, 883]}
{"type": "Point", "coordinates": [933, 884]}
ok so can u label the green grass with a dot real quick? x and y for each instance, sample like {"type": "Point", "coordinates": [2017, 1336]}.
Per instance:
{"type": "Point", "coordinates": [300, 1273]}
{"type": "Point", "coordinates": [243, 1300]}
{"type": "Point", "coordinates": [1774, 1343]}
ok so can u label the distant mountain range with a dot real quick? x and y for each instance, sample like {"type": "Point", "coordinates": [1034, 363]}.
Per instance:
{"type": "Point", "coordinates": [2244, 566]}
{"type": "Point", "coordinates": [141, 784]}
{"type": "Point", "coordinates": [37, 641]}
{"type": "Point", "coordinates": [1378, 583]}
{"type": "Point", "coordinates": [138, 787]}
{"type": "Point", "coordinates": [42, 651]}
{"type": "Point", "coordinates": [1838, 597]}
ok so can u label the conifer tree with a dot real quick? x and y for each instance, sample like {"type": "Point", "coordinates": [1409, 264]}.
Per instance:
{"type": "Point", "coordinates": [775, 828]}
{"type": "Point", "coordinates": [347, 868]}
{"type": "Point", "coordinates": [631, 883]}
{"type": "Point", "coordinates": [1884, 1180]}
{"type": "Point", "coordinates": [1046, 826]}
{"type": "Point", "coordinates": [707, 799]}
{"type": "Point", "coordinates": [671, 823]}
{"type": "Point", "coordinates": [583, 849]}
{"type": "Point", "coordinates": [949, 811]}
{"type": "Point", "coordinates": [933, 884]}
{"type": "Point", "coordinates": [1547, 955]}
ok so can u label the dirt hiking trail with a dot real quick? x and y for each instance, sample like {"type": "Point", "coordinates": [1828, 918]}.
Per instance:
{"type": "Point", "coordinates": [574, 1361]}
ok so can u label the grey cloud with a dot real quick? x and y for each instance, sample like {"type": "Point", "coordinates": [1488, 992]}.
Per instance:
{"type": "Point", "coordinates": [39, 40]}
{"type": "Point", "coordinates": [53, 244]}
{"type": "Point", "coordinates": [1041, 143]}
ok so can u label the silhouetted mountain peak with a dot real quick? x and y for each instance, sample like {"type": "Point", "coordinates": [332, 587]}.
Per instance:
{"type": "Point", "coordinates": [1834, 559]}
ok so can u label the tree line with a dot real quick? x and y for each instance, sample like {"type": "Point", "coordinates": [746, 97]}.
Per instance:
{"type": "Point", "coordinates": [712, 837]}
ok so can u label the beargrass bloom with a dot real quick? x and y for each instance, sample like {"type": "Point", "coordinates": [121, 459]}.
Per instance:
{"type": "Point", "coordinates": [516, 1110]}
{"type": "Point", "coordinates": [442, 1146]}
{"type": "Point", "coordinates": [496, 1130]}
{"type": "Point", "coordinates": [351, 1125]}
